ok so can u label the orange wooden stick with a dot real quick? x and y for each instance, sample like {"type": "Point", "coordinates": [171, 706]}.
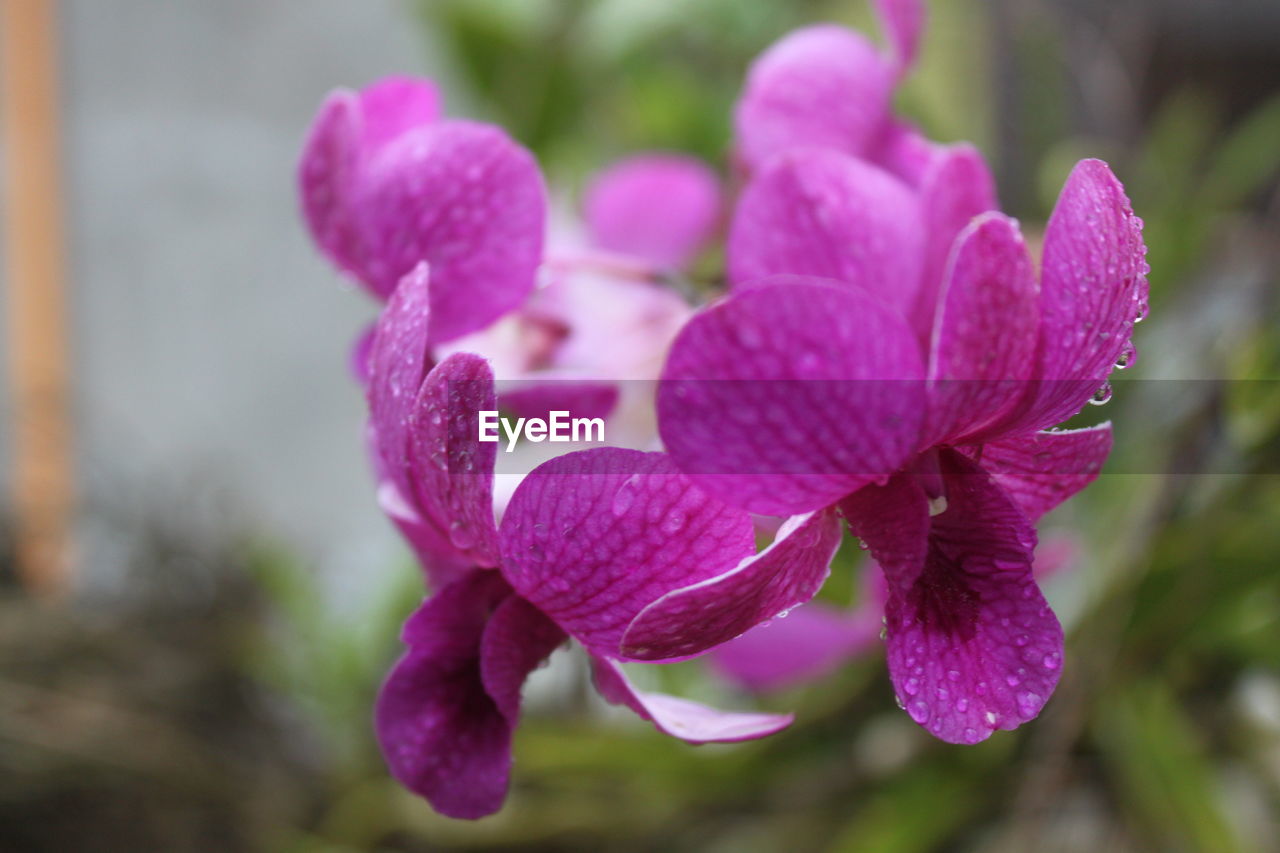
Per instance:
{"type": "Point", "coordinates": [40, 453]}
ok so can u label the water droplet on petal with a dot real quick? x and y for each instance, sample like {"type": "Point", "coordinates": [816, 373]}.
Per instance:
{"type": "Point", "coordinates": [962, 705]}
{"type": "Point", "coordinates": [625, 496]}
{"type": "Point", "coordinates": [673, 522]}
{"type": "Point", "coordinates": [1127, 357]}
{"type": "Point", "coordinates": [460, 535]}
{"type": "Point", "coordinates": [1052, 660]}
{"type": "Point", "coordinates": [1102, 396]}
{"type": "Point", "coordinates": [912, 686]}
{"type": "Point", "coordinates": [919, 711]}
{"type": "Point", "coordinates": [1028, 702]}
{"type": "Point", "coordinates": [953, 674]}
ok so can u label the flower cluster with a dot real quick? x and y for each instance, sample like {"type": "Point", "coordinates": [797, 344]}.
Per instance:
{"type": "Point", "coordinates": [888, 358]}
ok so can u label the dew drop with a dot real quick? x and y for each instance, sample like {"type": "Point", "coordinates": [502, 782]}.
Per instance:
{"type": "Point", "coordinates": [674, 522]}
{"type": "Point", "coordinates": [962, 705]}
{"type": "Point", "coordinates": [1052, 660]}
{"type": "Point", "coordinates": [912, 686]}
{"type": "Point", "coordinates": [1102, 396]}
{"type": "Point", "coordinates": [1028, 702]}
{"type": "Point", "coordinates": [460, 535]}
{"type": "Point", "coordinates": [1021, 640]}
{"type": "Point", "coordinates": [970, 735]}
{"type": "Point", "coordinates": [991, 718]}
{"type": "Point", "coordinates": [1144, 307]}
{"type": "Point", "coordinates": [953, 674]}
{"type": "Point", "coordinates": [919, 711]}
{"type": "Point", "coordinates": [625, 496]}
{"type": "Point", "coordinates": [1127, 357]}
{"type": "Point", "coordinates": [898, 700]}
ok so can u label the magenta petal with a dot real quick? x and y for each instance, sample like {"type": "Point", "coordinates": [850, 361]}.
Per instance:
{"type": "Point", "coordinates": [813, 640]}
{"type": "Point", "coordinates": [971, 644]}
{"type": "Point", "coordinates": [539, 395]}
{"type": "Point", "coordinates": [956, 187]}
{"type": "Point", "coordinates": [517, 639]}
{"type": "Point", "coordinates": [786, 397]}
{"type": "Point", "coordinates": [822, 213]}
{"type": "Point", "coordinates": [398, 362]}
{"type": "Point", "coordinates": [893, 521]}
{"type": "Point", "coordinates": [452, 470]}
{"type": "Point", "coordinates": [1041, 470]}
{"type": "Point", "coordinates": [659, 207]}
{"type": "Point", "coordinates": [902, 21]}
{"type": "Point", "coordinates": [330, 159]}
{"type": "Point", "coordinates": [395, 105]}
{"type": "Point", "coordinates": [984, 338]}
{"type": "Point", "coordinates": [470, 202]}
{"type": "Point", "coordinates": [442, 735]}
{"type": "Point", "coordinates": [694, 618]}
{"type": "Point", "coordinates": [818, 86]}
{"type": "Point", "coordinates": [592, 537]}
{"type": "Point", "coordinates": [1093, 285]}
{"type": "Point", "coordinates": [690, 721]}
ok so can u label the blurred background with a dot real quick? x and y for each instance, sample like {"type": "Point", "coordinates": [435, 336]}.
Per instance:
{"type": "Point", "coordinates": [197, 672]}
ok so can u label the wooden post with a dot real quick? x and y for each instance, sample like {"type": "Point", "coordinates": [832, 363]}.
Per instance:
{"type": "Point", "coordinates": [40, 454]}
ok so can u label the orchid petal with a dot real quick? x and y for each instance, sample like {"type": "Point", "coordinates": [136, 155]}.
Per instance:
{"type": "Point", "coordinates": [694, 618]}
{"type": "Point", "coordinates": [818, 86]}
{"type": "Point", "coordinates": [682, 718]}
{"type": "Point", "coordinates": [516, 641]}
{"type": "Point", "coordinates": [592, 537]}
{"type": "Point", "coordinates": [469, 201]}
{"type": "Point", "coordinates": [1092, 287]}
{"type": "Point", "coordinates": [1041, 470]}
{"type": "Point", "coordinates": [399, 359]}
{"type": "Point", "coordinates": [984, 337]}
{"type": "Point", "coordinates": [330, 159]}
{"type": "Point", "coordinates": [902, 20]}
{"type": "Point", "coordinates": [822, 213]}
{"type": "Point", "coordinates": [972, 645]}
{"type": "Point", "coordinates": [956, 187]}
{"type": "Point", "coordinates": [442, 734]}
{"type": "Point", "coordinates": [396, 105]}
{"type": "Point", "coordinates": [784, 397]}
{"type": "Point", "coordinates": [452, 470]}
{"type": "Point", "coordinates": [659, 207]}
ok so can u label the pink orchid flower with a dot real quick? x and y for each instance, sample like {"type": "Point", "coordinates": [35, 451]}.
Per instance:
{"type": "Point", "coordinates": [818, 638]}
{"type": "Point", "coordinates": [588, 540]}
{"type": "Point", "coordinates": [799, 393]}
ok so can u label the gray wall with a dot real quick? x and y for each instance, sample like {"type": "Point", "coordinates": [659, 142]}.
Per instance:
{"type": "Point", "coordinates": [211, 341]}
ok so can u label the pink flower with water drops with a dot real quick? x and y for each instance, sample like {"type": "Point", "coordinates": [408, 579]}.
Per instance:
{"type": "Point", "coordinates": [798, 393]}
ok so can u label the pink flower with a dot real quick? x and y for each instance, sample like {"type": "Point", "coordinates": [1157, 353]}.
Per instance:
{"type": "Point", "coordinates": [800, 393]}
{"type": "Point", "coordinates": [587, 542]}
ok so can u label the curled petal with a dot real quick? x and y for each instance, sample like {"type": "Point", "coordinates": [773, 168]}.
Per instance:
{"type": "Point", "coordinates": [788, 573]}
{"type": "Point", "coordinates": [592, 537]}
{"type": "Point", "coordinates": [690, 721]}
{"type": "Point", "coordinates": [902, 21]}
{"type": "Point", "coordinates": [659, 207]}
{"type": "Point", "coordinates": [1041, 470]}
{"type": "Point", "coordinates": [972, 645]}
{"type": "Point", "coordinates": [395, 105]}
{"type": "Point", "coordinates": [517, 639]}
{"type": "Point", "coordinates": [811, 642]}
{"type": "Point", "coordinates": [452, 470]}
{"type": "Point", "coordinates": [984, 338]}
{"type": "Point", "coordinates": [470, 202]}
{"type": "Point", "coordinates": [822, 213]}
{"type": "Point", "coordinates": [442, 735]}
{"type": "Point", "coordinates": [398, 362]}
{"type": "Point", "coordinates": [1093, 285]}
{"type": "Point", "coordinates": [821, 86]}
{"type": "Point", "coordinates": [785, 397]}
{"type": "Point", "coordinates": [350, 128]}
{"type": "Point", "coordinates": [956, 187]}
